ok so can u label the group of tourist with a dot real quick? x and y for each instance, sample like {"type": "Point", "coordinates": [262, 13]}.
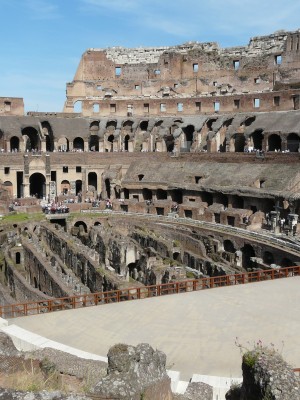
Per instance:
{"type": "Point", "coordinates": [55, 208]}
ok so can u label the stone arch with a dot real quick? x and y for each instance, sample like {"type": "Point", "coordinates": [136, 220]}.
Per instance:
{"type": "Point", "coordinates": [78, 224]}
{"type": "Point", "coordinates": [144, 125]}
{"type": "Point", "coordinates": [248, 120]}
{"type": "Point", "coordinates": [210, 122]}
{"type": "Point", "coordinates": [14, 143]}
{"type": "Point", "coordinates": [37, 185]}
{"type": "Point", "coordinates": [274, 142]}
{"type": "Point", "coordinates": [31, 138]}
{"type": "Point", "coordinates": [111, 125]}
{"type": "Point", "coordinates": [78, 144]}
{"type": "Point", "coordinates": [97, 223]}
{"type": "Point", "coordinates": [77, 106]}
{"type": "Point", "coordinates": [127, 125]}
{"type": "Point", "coordinates": [94, 126]}
{"type": "Point", "coordinates": [229, 246]}
{"type": "Point", "coordinates": [293, 142]}
{"type": "Point", "coordinates": [63, 144]}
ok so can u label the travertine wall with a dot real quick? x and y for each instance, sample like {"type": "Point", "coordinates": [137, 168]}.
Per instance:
{"type": "Point", "coordinates": [189, 79]}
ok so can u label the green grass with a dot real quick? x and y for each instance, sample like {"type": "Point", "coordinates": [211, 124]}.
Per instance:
{"type": "Point", "coordinates": [22, 217]}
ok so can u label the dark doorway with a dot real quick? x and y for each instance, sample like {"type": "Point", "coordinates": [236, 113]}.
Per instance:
{"type": "Point", "coordinates": [94, 143]}
{"type": "Point", "coordinates": [37, 183]}
{"type": "Point", "coordinates": [293, 142]}
{"type": "Point", "coordinates": [257, 138]}
{"type": "Point", "coordinates": [78, 144]}
{"type": "Point", "coordinates": [14, 144]}
{"type": "Point", "coordinates": [107, 188]}
{"type": "Point", "coordinates": [274, 142]}
{"type": "Point", "coordinates": [32, 139]}
{"type": "Point", "coordinates": [126, 140]}
{"type": "Point", "coordinates": [188, 133]}
{"type": "Point", "coordinates": [248, 253]}
{"type": "Point", "coordinates": [92, 180]}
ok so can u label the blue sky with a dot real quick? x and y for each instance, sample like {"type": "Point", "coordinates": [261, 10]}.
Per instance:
{"type": "Point", "coordinates": [42, 40]}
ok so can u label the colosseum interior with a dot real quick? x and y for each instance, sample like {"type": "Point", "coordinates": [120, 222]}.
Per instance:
{"type": "Point", "coordinates": [166, 164]}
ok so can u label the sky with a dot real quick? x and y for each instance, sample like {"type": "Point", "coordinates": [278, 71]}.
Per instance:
{"type": "Point", "coordinates": [42, 40]}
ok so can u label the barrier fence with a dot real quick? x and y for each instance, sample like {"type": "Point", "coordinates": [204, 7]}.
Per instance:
{"type": "Point", "coordinates": [115, 296]}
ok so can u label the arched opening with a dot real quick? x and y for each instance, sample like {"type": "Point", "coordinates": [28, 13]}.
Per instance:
{"type": "Point", "coordinates": [127, 126]}
{"type": "Point", "coordinates": [257, 138]}
{"type": "Point", "coordinates": [176, 255]}
{"type": "Point", "coordinates": [248, 253]}
{"type": "Point", "coordinates": [111, 126]}
{"type": "Point", "coordinates": [229, 246]}
{"type": "Point", "coordinates": [78, 185]}
{"type": "Point", "coordinates": [94, 143]}
{"type": "Point", "coordinates": [78, 144]}
{"type": "Point", "coordinates": [169, 140]}
{"type": "Point", "coordinates": [126, 140]}
{"type": "Point", "coordinates": [144, 125]}
{"type": "Point", "coordinates": [37, 185]}
{"type": "Point", "coordinates": [65, 187]}
{"type": "Point", "coordinates": [248, 121]}
{"type": "Point", "coordinates": [274, 142]}
{"type": "Point", "coordinates": [94, 127]}
{"type": "Point", "coordinates": [107, 188]}
{"type": "Point", "coordinates": [110, 140]}
{"type": "Point", "coordinates": [293, 142]}
{"type": "Point", "coordinates": [147, 194]}
{"type": "Point", "coordinates": [9, 187]}
{"type": "Point", "coordinates": [92, 181]}
{"type": "Point", "coordinates": [210, 122]}
{"type": "Point", "coordinates": [14, 144]}
{"type": "Point", "coordinates": [227, 123]}
{"type": "Point", "coordinates": [77, 107]}
{"type": "Point", "coordinates": [268, 258]}
{"type": "Point", "coordinates": [48, 134]}
{"type": "Point", "coordinates": [239, 142]}
{"type": "Point", "coordinates": [221, 198]}
{"type": "Point", "coordinates": [133, 270]}
{"type": "Point", "coordinates": [188, 136]}
{"type": "Point", "coordinates": [63, 144]}
{"type": "Point", "coordinates": [177, 196]}
{"type": "Point", "coordinates": [31, 138]}
{"type": "Point", "coordinates": [97, 223]}
{"type": "Point", "coordinates": [18, 257]}
{"type": "Point", "coordinates": [79, 224]}
{"type": "Point", "coordinates": [161, 194]}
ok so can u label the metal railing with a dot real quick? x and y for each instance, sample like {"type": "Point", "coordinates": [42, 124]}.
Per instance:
{"type": "Point", "coordinates": [116, 296]}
